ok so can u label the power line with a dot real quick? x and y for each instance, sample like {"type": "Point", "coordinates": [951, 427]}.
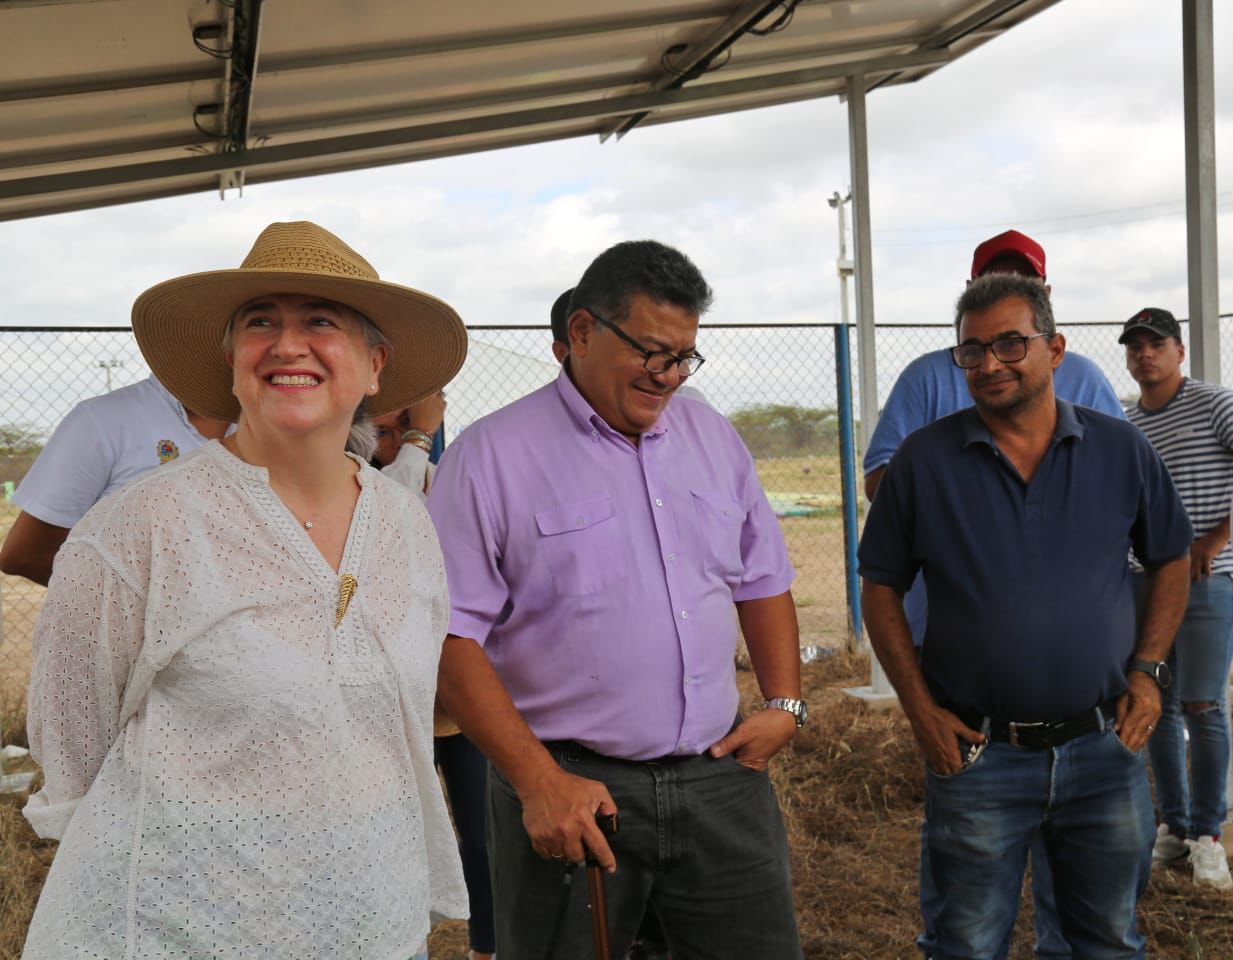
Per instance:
{"type": "Point", "coordinates": [959, 241]}
{"type": "Point", "coordinates": [1171, 208]}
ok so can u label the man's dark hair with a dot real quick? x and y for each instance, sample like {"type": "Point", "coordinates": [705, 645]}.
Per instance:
{"type": "Point", "coordinates": [653, 269]}
{"type": "Point", "coordinates": [992, 288]}
{"type": "Point", "coordinates": [559, 317]}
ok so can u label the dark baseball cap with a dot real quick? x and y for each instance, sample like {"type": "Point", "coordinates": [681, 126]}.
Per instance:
{"type": "Point", "coordinates": [1012, 243]}
{"type": "Point", "coordinates": [1160, 322]}
{"type": "Point", "coordinates": [559, 315]}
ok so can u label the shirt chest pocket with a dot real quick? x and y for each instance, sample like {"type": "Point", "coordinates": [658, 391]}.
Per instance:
{"type": "Point", "coordinates": [720, 522]}
{"type": "Point", "coordinates": [583, 545]}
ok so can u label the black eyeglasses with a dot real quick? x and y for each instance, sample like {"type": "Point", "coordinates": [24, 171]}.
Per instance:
{"type": "Point", "coordinates": [654, 361]}
{"type": "Point", "coordinates": [1007, 349]}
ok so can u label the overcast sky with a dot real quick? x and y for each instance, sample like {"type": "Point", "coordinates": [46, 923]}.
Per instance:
{"type": "Point", "coordinates": [1069, 127]}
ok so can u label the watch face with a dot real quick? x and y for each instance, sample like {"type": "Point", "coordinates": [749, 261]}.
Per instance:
{"type": "Point", "coordinates": [1164, 676]}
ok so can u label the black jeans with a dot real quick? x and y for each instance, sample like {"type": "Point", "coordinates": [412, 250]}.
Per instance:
{"type": "Point", "coordinates": [700, 839]}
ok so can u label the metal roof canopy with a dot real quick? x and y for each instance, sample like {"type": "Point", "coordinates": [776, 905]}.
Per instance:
{"type": "Point", "coordinates": [112, 101]}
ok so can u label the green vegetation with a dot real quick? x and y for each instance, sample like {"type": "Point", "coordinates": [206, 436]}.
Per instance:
{"type": "Point", "coordinates": [780, 430]}
{"type": "Point", "coordinates": [18, 441]}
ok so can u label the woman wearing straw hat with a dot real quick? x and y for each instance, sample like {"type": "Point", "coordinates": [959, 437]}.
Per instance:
{"type": "Point", "coordinates": [235, 669]}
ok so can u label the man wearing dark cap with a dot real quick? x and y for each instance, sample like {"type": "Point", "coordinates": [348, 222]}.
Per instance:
{"type": "Point", "coordinates": [929, 388]}
{"type": "Point", "coordinates": [1035, 691]}
{"type": "Point", "coordinates": [1190, 423]}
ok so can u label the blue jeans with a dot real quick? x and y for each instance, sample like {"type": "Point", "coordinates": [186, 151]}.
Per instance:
{"type": "Point", "coordinates": [1050, 944]}
{"type": "Point", "coordinates": [1088, 800]}
{"type": "Point", "coordinates": [1195, 805]}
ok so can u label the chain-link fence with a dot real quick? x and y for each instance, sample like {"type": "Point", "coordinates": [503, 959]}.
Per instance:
{"type": "Point", "coordinates": [776, 383]}
{"type": "Point", "coordinates": [899, 344]}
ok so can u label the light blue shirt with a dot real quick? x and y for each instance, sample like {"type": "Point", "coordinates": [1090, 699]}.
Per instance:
{"type": "Point", "coordinates": [932, 387]}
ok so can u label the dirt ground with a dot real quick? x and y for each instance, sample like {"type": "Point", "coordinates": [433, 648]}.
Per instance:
{"type": "Point", "coordinates": [851, 788]}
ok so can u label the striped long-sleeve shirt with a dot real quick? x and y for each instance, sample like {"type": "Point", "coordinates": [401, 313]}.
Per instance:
{"type": "Point", "coordinates": [1193, 433]}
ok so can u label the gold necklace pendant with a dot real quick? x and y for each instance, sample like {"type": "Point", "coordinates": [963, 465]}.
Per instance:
{"type": "Point", "coordinates": [347, 586]}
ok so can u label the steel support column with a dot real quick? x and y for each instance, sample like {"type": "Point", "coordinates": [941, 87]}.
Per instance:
{"type": "Point", "coordinates": [879, 691]}
{"type": "Point", "coordinates": [847, 477]}
{"type": "Point", "coordinates": [1199, 106]}
{"type": "Point", "coordinates": [862, 253]}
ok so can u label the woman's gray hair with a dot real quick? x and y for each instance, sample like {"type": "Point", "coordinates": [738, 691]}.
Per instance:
{"type": "Point", "coordinates": [362, 437]}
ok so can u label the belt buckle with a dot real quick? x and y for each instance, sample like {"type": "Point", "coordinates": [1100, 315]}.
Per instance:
{"type": "Point", "coordinates": [1014, 728]}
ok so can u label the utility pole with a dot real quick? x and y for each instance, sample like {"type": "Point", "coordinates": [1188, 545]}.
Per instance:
{"type": "Point", "coordinates": [107, 366]}
{"type": "Point", "coordinates": [844, 263]}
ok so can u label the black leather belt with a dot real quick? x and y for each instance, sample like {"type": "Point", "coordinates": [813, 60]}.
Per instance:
{"type": "Point", "coordinates": [1042, 735]}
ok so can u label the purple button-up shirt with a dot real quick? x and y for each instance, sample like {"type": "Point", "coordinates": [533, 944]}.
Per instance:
{"type": "Point", "coordinates": [598, 576]}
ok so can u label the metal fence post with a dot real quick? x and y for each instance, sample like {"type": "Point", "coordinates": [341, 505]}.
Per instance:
{"type": "Point", "coordinates": [847, 475]}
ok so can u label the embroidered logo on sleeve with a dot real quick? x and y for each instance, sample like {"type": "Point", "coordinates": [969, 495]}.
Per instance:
{"type": "Point", "coordinates": [167, 451]}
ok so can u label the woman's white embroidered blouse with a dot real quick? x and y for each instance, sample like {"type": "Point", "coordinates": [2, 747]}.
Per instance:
{"type": "Point", "coordinates": [229, 774]}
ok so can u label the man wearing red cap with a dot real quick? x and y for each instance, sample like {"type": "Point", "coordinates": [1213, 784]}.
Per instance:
{"type": "Point", "coordinates": [932, 387]}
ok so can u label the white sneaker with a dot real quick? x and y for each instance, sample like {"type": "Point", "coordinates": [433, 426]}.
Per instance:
{"type": "Point", "coordinates": [1168, 847]}
{"type": "Point", "coordinates": [1211, 866]}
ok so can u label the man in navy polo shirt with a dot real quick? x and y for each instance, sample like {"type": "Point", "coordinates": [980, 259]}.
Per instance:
{"type": "Point", "coordinates": [1033, 697]}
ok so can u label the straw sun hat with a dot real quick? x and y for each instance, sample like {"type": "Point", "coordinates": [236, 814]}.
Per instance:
{"type": "Point", "coordinates": [179, 324]}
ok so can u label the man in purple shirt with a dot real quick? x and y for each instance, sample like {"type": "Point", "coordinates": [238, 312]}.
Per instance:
{"type": "Point", "coordinates": [596, 539]}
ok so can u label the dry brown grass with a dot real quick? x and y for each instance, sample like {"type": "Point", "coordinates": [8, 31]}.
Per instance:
{"type": "Point", "coordinates": [24, 860]}
{"type": "Point", "coordinates": [851, 788]}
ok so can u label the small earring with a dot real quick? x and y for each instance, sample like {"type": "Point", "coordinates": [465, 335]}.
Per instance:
{"type": "Point", "coordinates": [372, 388]}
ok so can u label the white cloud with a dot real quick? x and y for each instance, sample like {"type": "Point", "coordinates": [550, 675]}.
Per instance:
{"type": "Point", "coordinates": [1076, 112]}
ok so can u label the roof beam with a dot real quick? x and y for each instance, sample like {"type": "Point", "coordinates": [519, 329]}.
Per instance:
{"type": "Point", "coordinates": [974, 21]}
{"type": "Point", "coordinates": [406, 112]}
{"type": "Point", "coordinates": [241, 75]}
{"type": "Point", "coordinates": [556, 91]}
{"type": "Point", "coordinates": [393, 52]}
{"type": "Point", "coordinates": [472, 42]}
{"type": "Point", "coordinates": [241, 79]}
{"type": "Point", "coordinates": [697, 56]}
{"type": "Point", "coordinates": [595, 109]}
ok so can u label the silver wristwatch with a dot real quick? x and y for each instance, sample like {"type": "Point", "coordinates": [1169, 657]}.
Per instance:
{"type": "Point", "coordinates": [795, 707]}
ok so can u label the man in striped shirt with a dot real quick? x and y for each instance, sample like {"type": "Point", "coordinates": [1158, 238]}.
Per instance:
{"type": "Point", "coordinates": [1190, 423]}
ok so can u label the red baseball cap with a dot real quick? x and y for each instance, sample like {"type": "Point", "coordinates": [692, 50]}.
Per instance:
{"type": "Point", "coordinates": [1012, 243]}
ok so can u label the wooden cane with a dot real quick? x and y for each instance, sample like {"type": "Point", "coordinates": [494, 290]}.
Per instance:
{"type": "Point", "coordinates": [595, 890]}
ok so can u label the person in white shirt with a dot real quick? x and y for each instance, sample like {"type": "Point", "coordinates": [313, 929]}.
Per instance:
{"type": "Point", "coordinates": [404, 443]}
{"type": "Point", "coordinates": [104, 443]}
{"type": "Point", "coordinates": [235, 668]}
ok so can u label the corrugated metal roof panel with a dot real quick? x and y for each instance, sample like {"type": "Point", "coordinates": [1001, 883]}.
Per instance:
{"type": "Point", "coordinates": [111, 101]}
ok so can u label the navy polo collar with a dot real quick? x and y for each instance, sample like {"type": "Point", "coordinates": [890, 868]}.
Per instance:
{"type": "Point", "coordinates": [1068, 425]}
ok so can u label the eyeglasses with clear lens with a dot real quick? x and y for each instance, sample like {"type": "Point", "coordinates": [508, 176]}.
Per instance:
{"type": "Point", "coordinates": [654, 361]}
{"type": "Point", "coordinates": [1006, 349]}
